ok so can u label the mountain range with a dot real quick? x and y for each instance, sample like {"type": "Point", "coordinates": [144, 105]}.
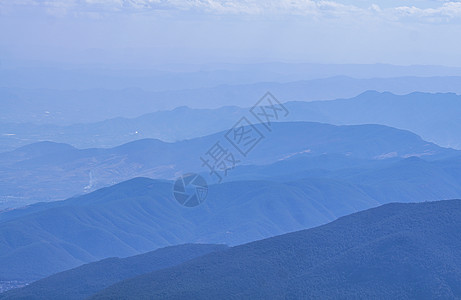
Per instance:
{"type": "Point", "coordinates": [398, 251]}
{"type": "Point", "coordinates": [141, 214]}
{"type": "Point", "coordinates": [404, 251]}
{"type": "Point", "coordinates": [193, 76]}
{"type": "Point", "coordinates": [47, 171]}
{"type": "Point", "coordinates": [435, 117]}
{"type": "Point", "coordinates": [299, 175]}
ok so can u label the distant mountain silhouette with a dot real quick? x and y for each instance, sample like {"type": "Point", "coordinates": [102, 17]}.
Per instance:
{"type": "Point", "coordinates": [397, 251]}
{"type": "Point", "coordinates": [82, 282]}
{"type": "Point", "coordinates": [435, 117]}
{"type": "Point", "coordinates": [192, 76]}
{"type": "Point", "coordinates": [67, 106]}
{"type": "Point", "coordinates": [55, 175]}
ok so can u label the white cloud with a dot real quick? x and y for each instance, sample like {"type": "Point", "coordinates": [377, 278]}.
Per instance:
{"type": "Point", "coordinates": [447, 11]}
{"type": "Point", "coordinates": [301, 7]}
{"type": "Point", "coordinates": [439, 11]}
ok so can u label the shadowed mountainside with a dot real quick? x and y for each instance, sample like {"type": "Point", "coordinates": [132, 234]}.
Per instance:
{"type": "Point", "coordinates": [404, 251]}
{"type": "Point", "coordinates": [82, 282]}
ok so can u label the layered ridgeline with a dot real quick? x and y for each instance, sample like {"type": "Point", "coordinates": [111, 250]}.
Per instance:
{"type": "Point", "coordinates": [141, 214]}
{"type": "Point", "coordinates": [386, 180]}
{"type": "Point", "coordinates": [47, 171]}
{"type": "Point", "coordinates": [82, 282]}
{"type": "Point", "coordinates": [396, 251]}
{"type": "Point", "coordinates": [435, 117]}
{"type": "Point", "coordinates": [67, 106]}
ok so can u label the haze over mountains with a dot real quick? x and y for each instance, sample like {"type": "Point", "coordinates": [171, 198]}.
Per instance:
{"type": "Point", "coordinates": [66, 107]}
{"type": "Point", "coordinates": [435, 117]}
{"type": "Point", "coordinates": [230, 149]}
{"type": "Point", "coordinates": [47, 171]}
{"type": "Point", "coordinates": [34, 74]}
{"type": "Point", "coordinates": [324, 160]}
{"type": "Point", "coordinates": [298, 176]}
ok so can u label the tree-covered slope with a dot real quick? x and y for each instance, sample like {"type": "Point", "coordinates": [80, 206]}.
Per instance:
{"type": "Point", "coordinates": [141, 215]}
{"type": "Point", "coordinates": [85, 280]}
{"type": "Point", "coordinates": [404, 251]}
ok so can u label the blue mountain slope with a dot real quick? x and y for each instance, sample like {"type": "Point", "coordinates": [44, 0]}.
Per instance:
{"type": "Point", "coordinates": [33, 151]}
{"type": "Point", "coordinates": [409, 179]}
{"type": "Point", "coordinates": [141, 215]}
{"type": "Point", "coordinates": [402, 179]}
{"type": "Point", "coordinates": [81, 282]}
{"type": "Point", "coordinates": [435, 117]}
{"type": "Point", "coordinates": [404, 251]}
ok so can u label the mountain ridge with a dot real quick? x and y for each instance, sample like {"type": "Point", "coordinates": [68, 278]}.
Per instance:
{"type": "Point", "coordinates": [378, 253]}
{"type": "Point", "coordinates": [56, 176]}
{"type": "Point", "coordinates": [402, 111]}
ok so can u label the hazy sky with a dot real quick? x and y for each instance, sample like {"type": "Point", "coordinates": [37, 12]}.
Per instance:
{"type": "Point", "coordinates": [148, 32]}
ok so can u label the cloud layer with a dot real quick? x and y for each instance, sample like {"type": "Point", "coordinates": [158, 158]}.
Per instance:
{"type": "Point", "coordinates": [427, 11]}
{"type": "Point", "coordinates": [159, 31]}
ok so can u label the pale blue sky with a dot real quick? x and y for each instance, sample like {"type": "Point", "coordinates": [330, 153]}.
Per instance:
{"type": "Point", "coordinates": [149, 32]}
